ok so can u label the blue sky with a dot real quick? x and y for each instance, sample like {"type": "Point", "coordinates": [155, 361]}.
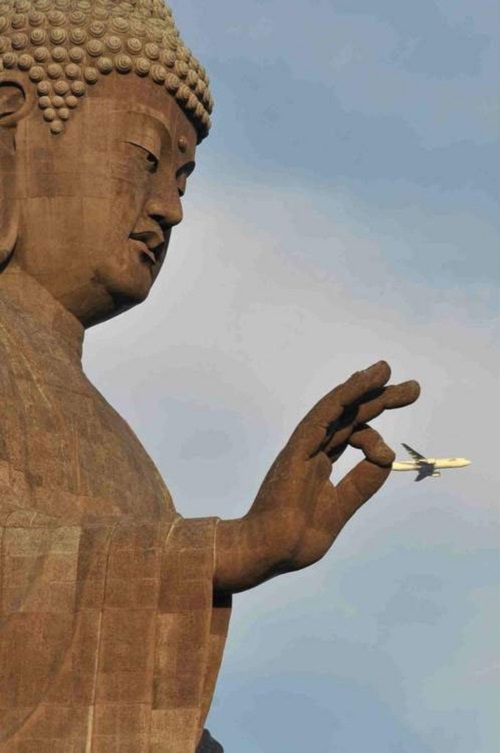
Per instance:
{"type": "Point", "coordinates": [344, 209]}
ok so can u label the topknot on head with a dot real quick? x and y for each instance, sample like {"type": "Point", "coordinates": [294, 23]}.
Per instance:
{"type": "Point", "coordinates": [72, 43]}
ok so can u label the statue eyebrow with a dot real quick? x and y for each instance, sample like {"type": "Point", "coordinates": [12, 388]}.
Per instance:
{"type": "Point", "coordinates": [145, 142]}
{"type": "Point", "coordinates": [139, 109]}
{"type": "Point", "coordinates": [143, 119]}
{"type": "Point", "coordinates": [146, 131]}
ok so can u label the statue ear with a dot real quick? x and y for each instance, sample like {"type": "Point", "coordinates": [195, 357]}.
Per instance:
{"type": "Point", "coordinates": [13, 106]}
{"type": "Point", "coordinates": [13, 102]}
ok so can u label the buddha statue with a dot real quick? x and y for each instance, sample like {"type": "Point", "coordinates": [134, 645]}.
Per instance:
{"type": "Point", "coordinates": [113, 607]}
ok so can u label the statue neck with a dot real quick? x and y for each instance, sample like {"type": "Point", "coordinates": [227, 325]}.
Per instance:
{"type": "Point", "coordinates": [38, 304]}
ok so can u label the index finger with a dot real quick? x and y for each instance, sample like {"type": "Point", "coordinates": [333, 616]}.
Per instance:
{"type": "Point", "coordinates": [311, 431]}
{"type": "Point", "coordinates": [372, 405]}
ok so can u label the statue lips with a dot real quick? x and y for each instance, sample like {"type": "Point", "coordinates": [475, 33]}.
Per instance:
{"type": "Point", "coordinates": [151, 244]}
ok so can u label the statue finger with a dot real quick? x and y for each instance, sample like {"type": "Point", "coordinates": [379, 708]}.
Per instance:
{"type": "Point", "coordinates": [337, 411]}
{"type": "Point", "coordinates": [349, 394]}
{"type": "Point", "coordinates": [394, 396]}
{"type": "Point", "coordinates": [372, 444]}
{"type": "Point", "coordinates": [372, 405]}
{"type": "Point", "coordinates": [336, 451]}
{"type": "Point", "coordinates": [363, 438]}
{"type": "Point", "coordinates": [359, 485]}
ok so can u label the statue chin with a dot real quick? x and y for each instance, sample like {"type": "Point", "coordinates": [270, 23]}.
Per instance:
{"type": "Point", "coordinates": [103, 300]}
{"type": "Point", "coordinates": [105, 293]}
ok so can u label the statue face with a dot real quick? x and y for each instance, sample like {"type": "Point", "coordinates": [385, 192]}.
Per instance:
{"type": "Point", "coordinates": [95, 205]}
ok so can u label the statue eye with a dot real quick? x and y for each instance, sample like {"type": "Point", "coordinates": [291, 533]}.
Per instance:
{"type": "Point", "coordinates": [152, 161]}
{"type": "Point", "coordinates": [146, 156]}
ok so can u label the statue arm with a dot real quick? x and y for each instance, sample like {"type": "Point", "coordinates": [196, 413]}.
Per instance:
{"type": "Point", "coordinates": [298, 511]}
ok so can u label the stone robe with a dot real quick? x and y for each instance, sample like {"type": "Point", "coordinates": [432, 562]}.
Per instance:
{"type": "Point", "coordinates": [110, 634]}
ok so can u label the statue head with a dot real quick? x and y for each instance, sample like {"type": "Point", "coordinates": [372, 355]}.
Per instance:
{"type": "Point", "coordinates": [101, 110]}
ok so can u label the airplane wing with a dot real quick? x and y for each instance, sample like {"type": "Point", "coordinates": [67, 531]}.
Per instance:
{"type": "Point", "coordinates": [415, 455]}
{"type": "Point", "coordinates": [425, 470]}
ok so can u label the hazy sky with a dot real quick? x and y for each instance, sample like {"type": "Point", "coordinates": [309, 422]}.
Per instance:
{"type": "Point", "coordinates": [344, 209]}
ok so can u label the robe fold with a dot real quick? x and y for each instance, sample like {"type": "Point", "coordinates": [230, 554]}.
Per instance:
{"type": "Point", "coordinates": [110, 634]}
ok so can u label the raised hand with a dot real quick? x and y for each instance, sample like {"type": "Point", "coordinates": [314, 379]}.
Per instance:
{"type": "Point", "coordinates": [298, 511]}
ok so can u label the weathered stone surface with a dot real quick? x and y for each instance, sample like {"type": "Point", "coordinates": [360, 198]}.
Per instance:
{"type": "Point", "coordinates": [113, 608]}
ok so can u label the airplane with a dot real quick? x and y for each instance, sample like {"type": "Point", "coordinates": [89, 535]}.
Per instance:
{"type": "Point", "coordinates": [427, 467]}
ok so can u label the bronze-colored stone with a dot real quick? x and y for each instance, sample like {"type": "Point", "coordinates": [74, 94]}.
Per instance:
{"type": "Point", "coordinates": [84, 28]}
{"type": "Point", "coordinates": [113, 608]}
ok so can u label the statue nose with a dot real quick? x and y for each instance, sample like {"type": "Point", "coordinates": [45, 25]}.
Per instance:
{"type": "Point", "coordinates": [166, 210]}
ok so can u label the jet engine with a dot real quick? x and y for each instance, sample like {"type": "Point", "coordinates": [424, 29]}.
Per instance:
{"type": "Point", "coordinates": [436, 474]}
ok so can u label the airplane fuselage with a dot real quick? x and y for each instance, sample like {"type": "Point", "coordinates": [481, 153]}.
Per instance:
{"type": "Point", "coordinates": [427, 467]}
{"type": "Point", "coordinates": [436, 463]}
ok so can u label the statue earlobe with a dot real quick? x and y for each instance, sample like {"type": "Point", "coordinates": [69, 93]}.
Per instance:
{"type": "Point", "coordinates": [14, 105]}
